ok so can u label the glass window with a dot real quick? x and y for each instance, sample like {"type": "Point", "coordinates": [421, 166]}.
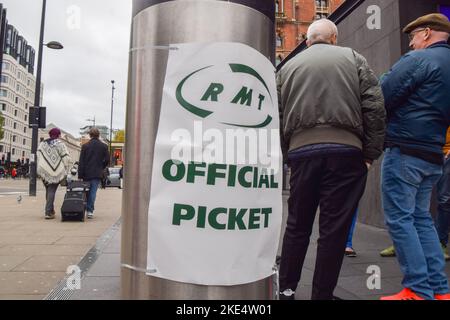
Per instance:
{"type": "Point", "coordinates": [279, 41]}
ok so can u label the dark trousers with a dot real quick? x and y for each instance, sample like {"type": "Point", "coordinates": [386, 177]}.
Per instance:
{"type": "Point", "coordinates": [50, 192]}
{"type": "Point", "coordinates": [336, 183]}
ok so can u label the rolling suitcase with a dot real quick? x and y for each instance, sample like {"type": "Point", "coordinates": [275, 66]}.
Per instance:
{"type": "Point", "coordinates": [74, 205]}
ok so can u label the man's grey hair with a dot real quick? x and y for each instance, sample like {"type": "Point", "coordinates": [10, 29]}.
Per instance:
{"type": "Point", "coordinates": [322, 31]}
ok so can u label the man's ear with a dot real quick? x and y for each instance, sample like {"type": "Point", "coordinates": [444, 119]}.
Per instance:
{"type": "Point", "coordinates": [428, 34]}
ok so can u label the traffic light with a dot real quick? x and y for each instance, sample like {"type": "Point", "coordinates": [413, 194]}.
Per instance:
{"type": "Point", "coordinates": [38, 116]}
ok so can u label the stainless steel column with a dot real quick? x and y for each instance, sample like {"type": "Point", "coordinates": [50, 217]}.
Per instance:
{"type": "Point", "coordinates": [156, 24]}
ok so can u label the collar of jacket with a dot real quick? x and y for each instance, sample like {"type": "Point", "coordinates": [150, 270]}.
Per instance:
{"type": "Point", "coordinates": [321, 42]}
{"type": "Point", "coordinates": [439, 44]}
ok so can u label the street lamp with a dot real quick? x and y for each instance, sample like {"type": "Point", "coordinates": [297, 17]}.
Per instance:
{"type": "Point", "coordinates": [37, 100]}
{"type": "Point", "coordinates": [111, 127]}
{"type": "Point", "coordinates": [92, 120]}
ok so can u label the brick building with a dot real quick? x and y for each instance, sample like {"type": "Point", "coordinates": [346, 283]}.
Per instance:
{"type": "Point", "coordinates": [294, 18]}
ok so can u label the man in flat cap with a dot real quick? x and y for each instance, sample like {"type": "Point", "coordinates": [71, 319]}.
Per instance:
{"type": "Point", "coordinates": [417, 101]}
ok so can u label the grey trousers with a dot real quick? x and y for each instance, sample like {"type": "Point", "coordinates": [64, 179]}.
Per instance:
{"type": "Point", "coordinates": [50, 192]}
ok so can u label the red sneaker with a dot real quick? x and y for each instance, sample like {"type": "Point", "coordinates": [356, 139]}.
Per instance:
{"type": "Point", "coordinates": [442, 296]}
{"type": "Point", "coordinates": [405, 294]}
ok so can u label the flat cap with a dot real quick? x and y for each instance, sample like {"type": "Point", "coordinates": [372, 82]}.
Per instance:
{"type": "Point", "coordinates": [434, 21]}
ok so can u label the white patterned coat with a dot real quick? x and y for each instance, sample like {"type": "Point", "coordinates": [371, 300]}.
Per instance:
{"type": "Point", "coordinates": [53, 161]}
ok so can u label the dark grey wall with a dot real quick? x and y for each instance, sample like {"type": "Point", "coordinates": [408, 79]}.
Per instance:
{"type": "Point", "coordinates": [382, 48]}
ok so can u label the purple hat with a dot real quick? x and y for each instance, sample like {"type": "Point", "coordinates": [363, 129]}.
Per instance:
{"type": "Point", "coordinates": [54, 133]}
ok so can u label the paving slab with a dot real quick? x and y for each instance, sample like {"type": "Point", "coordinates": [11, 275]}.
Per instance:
{"type": "Point", "coordinates": [48, 263]}
{"type": "Point", "coordinates": [20, 283]}
{"type": "Point", "coordinates": [34, 252]}
{"type": "Point", "coordinates": [8, 263]}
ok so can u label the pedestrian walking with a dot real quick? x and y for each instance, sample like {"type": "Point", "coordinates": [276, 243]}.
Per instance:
{"type": "Point", "coordinates": [94, 159]}
{"type": "Point", "coordinates": [53, 162]}
{"type": "Point", "coordinates": [333, 124]}
{"type": "Point", "coordinates": [417, 95]}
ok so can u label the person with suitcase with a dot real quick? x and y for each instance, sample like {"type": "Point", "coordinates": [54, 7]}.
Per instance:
{"type": "Point", "coordinates": [94, 159]}
{"type": "Point", "coordinates": [53, 162]}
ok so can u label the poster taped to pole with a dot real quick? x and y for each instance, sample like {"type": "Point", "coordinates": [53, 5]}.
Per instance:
{"type": "Point", "coordinates": [216, 192]}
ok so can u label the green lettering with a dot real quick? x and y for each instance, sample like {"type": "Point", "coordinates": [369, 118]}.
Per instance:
{"type": "Point", "coordinates": [244, 97]}
{"type": "Point", "coordinates": [167, 174]}
{"type": "Point", "coordinates": [255, 177]}
{"type": "Point", "coordinates": [189, 213]}
{"type": "Point", "coordinates": [201, 219]}
{"type": "Point", "coordinates": [241, 177]}
{"type": "Point", "coordinates": [266, 212]}
{"type": "Point", "coordinates": [212, 218]}
{"type": "Point", "coordinates": [213, 174]}
{"type": "Point", "coordinates": [232, 170]}
{"type": "Point", "coordinates": [213, 92]}
{"type": "Point", "coordinates": [264, 180]}
{"type": "Point", "coordinates": [261, 100]}
{"type": "Point", "coordinates": [273, 183]}
{"type": "Point", "coordinates": [238, 219]}
{"type": "Point", "coordinates": [253, 219]}
{"type": "Point", "coordinates": [193, 172]}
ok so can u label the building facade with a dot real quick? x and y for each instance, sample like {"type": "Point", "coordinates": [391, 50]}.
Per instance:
{"type": "Point", "coordinates": [293, 17]}
{"type": "Point", "coordinates": [17, 89]}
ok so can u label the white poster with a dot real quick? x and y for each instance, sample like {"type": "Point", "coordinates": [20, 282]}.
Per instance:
{"type": "Point", "coordinates": [216, 193]}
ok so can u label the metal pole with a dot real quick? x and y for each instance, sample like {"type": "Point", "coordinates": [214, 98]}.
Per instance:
{"type": "Point", "coordinates": [2, 36]}
{"type": "Point", "coordinates": [111, 127]}
{"type": "Point", "coordinates": [37, 103]}
{"type": "Point", "coordinates": [159, 23]}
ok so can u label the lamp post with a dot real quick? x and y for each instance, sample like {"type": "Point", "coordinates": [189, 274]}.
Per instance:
{"type": "Point", "coordinates": [111, 124]}
{"type": "Point", "coordinates": [37, 100]}
{"type": "Point", "coordinates": [92, 120]}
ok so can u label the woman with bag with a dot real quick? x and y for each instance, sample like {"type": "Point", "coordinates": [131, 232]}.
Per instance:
{"type": "Point", "coordinates": [53, 162]}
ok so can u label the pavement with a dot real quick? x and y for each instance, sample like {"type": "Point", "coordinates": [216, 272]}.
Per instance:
{"type": "Point", "coordinates": [35, 254]}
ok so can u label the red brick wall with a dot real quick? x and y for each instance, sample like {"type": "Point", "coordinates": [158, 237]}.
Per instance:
{"type": "Point", "coordinates": [293, 22]}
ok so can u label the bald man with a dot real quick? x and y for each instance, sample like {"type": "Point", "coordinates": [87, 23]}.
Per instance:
{"type": "Point", "coordinates": [333, 123]}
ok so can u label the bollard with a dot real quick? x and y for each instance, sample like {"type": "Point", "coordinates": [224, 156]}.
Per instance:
{"type": "Point", "coordinates": [156, 24]}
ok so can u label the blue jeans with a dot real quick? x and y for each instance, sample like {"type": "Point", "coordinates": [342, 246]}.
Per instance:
{"type": "Point", "coordinates": [352, 230]}
{"type": "Point", "coordinates": [407, 183]}
{"type": "Point", "coordinates": [443, 190]}
{"type": "Point", "coordinates": [94, 183]}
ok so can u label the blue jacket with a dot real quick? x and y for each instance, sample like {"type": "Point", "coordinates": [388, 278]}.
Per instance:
{"type": "Point", "coordinates": [417, 99]}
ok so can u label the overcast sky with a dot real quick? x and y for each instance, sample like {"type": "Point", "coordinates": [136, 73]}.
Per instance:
{"type": "Point", "coordinates": [77, 80]}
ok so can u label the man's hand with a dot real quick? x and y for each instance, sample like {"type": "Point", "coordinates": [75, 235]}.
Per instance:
{"type": "Point", "coordinates": [368, 164]}
{"type": "Point", "coordinates": [447, 155]}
